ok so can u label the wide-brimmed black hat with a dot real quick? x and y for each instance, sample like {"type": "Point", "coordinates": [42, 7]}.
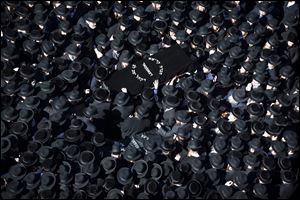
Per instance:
{"type": "Point", "coordinates": [216, 161]}
{"type": "Point", "coordinates": [124, 176]}
{"type": "Point", "coordinates": [171, 101]}
{"type": "Point", "coordinates": [169, 90]}
{"type": "Point", "coordinates": [117, 44]}
{"type": "Point", "coordinates": [134, 38]}
{"type": "Point", "coordinates": [273, 129]}
{"type": "Point", "coordinates": [102, 40]}
{"type": "Point", "coordinates": [92, 16]}
{"type": "Point", "coordinates": [181, 35]}
{"type": "Point", "coordinates": [65, 26]}
{"type": "Point", "coordinates": [86, 158]}
{"type": "Point", "coordinates": [151, 187]}
{"type": "Point", "coordinates": [265, 176]}
{"type": "Point", "coordinates": [30, 46]}
{"type": "Point", "coordinates": [72, 135]}
{"type": "Point", "coordinates": [48, 181]}
{"type": "Point", "coordinates": [206, 86]}
{"type": "Point", "coordinates": [32, 180]}
{"type": "Point", "coordinates": [290, 20]}
{"type": "Point", "coordinates": [176, 177]}
{"type": "Point", "coordinates": [109, 164]}
{"type": "Point", "coordinates": [101, 73]}
{"type": "Point", "coordinates": [81, 180]}
{"type": "Point", "coordinates": [121, 99]}
{"type": "Point", "coordinates": [220, 145]}
{"type": "Point", "coordinates": [215, 10]}
{"type": "Point", "coordinates": [183, 116]}
{"type": "Point", "coordinates": [224, 126]}
{"type": "Point", "coordinates": [251, 160]}
{"type": "Point", "coordinates": [17, 172]}
{"type": "Point", "coordinates": [25, 90]}
{"type": "Point", "coordinates": [240, 95]}
{"type": "Point", "coordinates": [253, 39]}
{"type": "Point", "coordinates": [288, 177]}
{"type": "Point", "coordinates": [10, 34]}
{"type": "Point", "coordinates": [167, 145]}
{"type": "Point", "coordinates": [195, 15]}
{"type": "Point", "coordinates": [241, 180]}
{"type": "Point", "coordinates": [140, 12]}
{"type": "Point", "coordinates": [236, 143]}
{"type": "Point", "coordinates": [20, 129]}
{"type": "Point", "coordinates": [260, 191]}
{"type": "Point", "coordinates": [217, 20]}
{"type": "Point", "coordinates": [236, 52]}
{"type": "Point", "coordinates": [177, 16]}
{"type": "Point", "coordinates": [131, 154]}
{"type": "Point", "coordinates": [140, 167]}
{"type": "Point", "coordinates": [192, 96]}
{"type": "Point", "coordinates": [142, 111]}
{"type": "Point", "coordinates": [72, 49]}
{"type": "Point", "coordinates": [268, 162]}
{"type": "Point", "coordinates": [153, 49]}
{"type": "Point", "coordinates": [204, 30]}
{"type": "Point", "coordinates": [255, 109]}
{"type": "Point", "coordinates": [114, 194]}
{"type": "Point", "coordinates": [216, 57]}
{"type": "Point", "coordinates": [9, 114]}
{"type": "Point", "coordinates": [126, 56]}
{"type": "Point", "coordinates": [15, 187]}
{"type": "Point", "coordinates": [279, 147]}
{"type": "Point", "coordinates": [156, 171]}
{"type": "Point", "coordinates": [144, 27]}
{"type": "Point", "coordinates": [225, 191]}
{"type": "Point", "coordinates": [194, 144]}
{"type": "Point", "coordinates": [48, 47]}
{"type": "Point", "coordinates": [286, 71]}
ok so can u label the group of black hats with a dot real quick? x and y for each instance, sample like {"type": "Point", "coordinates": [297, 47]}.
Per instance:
{"type": "Point", "coordinates": [225, 129]}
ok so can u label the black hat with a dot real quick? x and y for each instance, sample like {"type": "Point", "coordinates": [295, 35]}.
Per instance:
{"type": "Point", "coordinates": [167, 145]}
{"type": "Point", "coordinates": [102, 40]}
{"type": "Point", "coordinates": [181, 35]}
{"type": "Point", "coordinates": [9, 114]}
{"type": "Point", "coordinates": [225, 191]}
{"type": "Point", "coordinates": [81, 180]}
{"type": "Point", "coordinates": [142, 111]}
{"type": "Point", "coordinates": [252, 17]}
{"type": "Point", "coordinates": [176, 177]}
{"type": "Point", "coordinates": [30, 46]}
{"type": "Point", "coordinates": [121, 99]}
{"type": "Point", "coordinates": [251, 160]}
{"type": "Point", "coordinates": [183, 116]}
{"type": "Point", "coordinates": [216, 57]}
{"type": "Point", "coordinates": [286, 71]}
{"type": "Point", "coordinates": [117, 44]}
{"type": "Point", "coordinates": [5, 142]}
{"type": "Point", "coordinates": [72, 49]}
{"type": "Point", "coordinates": [86, 158]}
{"type": "Point", "coordinates": [260, 191]}
{"type": "Point", "coordinates": [134, 38]}
{"type": "Point", "coordinates": [177, 16]}
{"type": "Point", "coordinates": [153, 49]}
{"type": "Point", "coordinates": [195, 15]}
{"type": "Point", "coordinates": [156, 171]}
{"type": "Point", "coordinates": [17, 171]}
{"type": "Point", "coordinates": [258, 127]}
{"type": "Point", "coordinates": [98, 139]}
{"type": "Point", "coordinates": [192, 96]}
{"type": "Point", "coordinates": [131, 154]}
{"type": "Point", "coordinates": [196, 107]}
{"type": "Point", "coordinates": [216, 161]}
{"type": "Point", "coordinates": [194, 144]}
{"type": "Point", "coordinates": [273, 129]}
{"type": "Point", "coordinates": [220, 145]}
{"type": "Point", "coordinates": [140, 12]}
{"type": "Point", "coordinates": [119, 8]}
{"type": "Point", "coordinates": [217, 21]}
{"type": "Point", "coordinates": [74, 95]}
{"type": "Point", "coordinates": [9, 52]}
{"type": "Point", "coordinates": [255, 143]}
{"type": "Point", "coordinates": [257, 95]}
{"type": "Point", "coordinates": [288, 177]}
{"type": "Point", "coordinates": [114, 194]}
{"type": "Point", "coordinates": [240, 95]}
{"type": "Point", "coordinates": [92, 16]}
{"type": "Point", "coordinates": [234, 13]}
{"type": "Point", "coordinates": [253, 39]}
{"type": "Point", "coordinates": [124, 176]}
{"type": "Point", "coordinates": [140, 167]}
{"type": "Point", "coordinates": [279, 147]}
{"type": "Point", "coordinates": [147, 94]}
{"type": "Point", "coordinates": [72, 135]}
{"type": "Point", "coordinates": [290, 20]}
{"type": "Point", "coordinates": [126, 56]}
{"type": "Point", "coordinates": [171, 101]}
{"type": "Point", "coordinates": [169, 90]}
{"type": "Point", "coordinates": [32, 180]}
{"type": "Point", "coordinates": [236, 52]}
{"type": "Point", "coordinates": [197, 166]}
{"type": "Point", "coordinates": [211, 39]}
{"type": "Point", "coordinates": [223, 46]}
{"type": "Point", "coordinates": [224, 126]}
{"type": "Point", "coordinates": [20, 129]}
{"type": "Point", "coordinates": [101, 73]}
{"type": "Point", "coordinates": [10, 34]}
{"type": "Point", "coordinates": [48, 181]}
{"type": "Point", "coordinates": [255, 109]}
{"type": "Point", "coordinates": [15, 187]}
{"type": "Point", "coordinates": [264, 176]}
{"type": "Point", "coordinates": [144, 27]}
{"type": "Point", "coordinates": [26, 90]}
{"type": "Point", "coordinates": [241, 180]}
{"type": "Point", "coordinates": [204, 30]}
{"type": "Point", "coordinates": [109, 164]}
{"type": "Point", "coordinates": [65, 26]}
{"type": "Point", "coordinates": [151, 187]}
{"type": "Point", "coordinates": [213, 175]}
{"type": "Point", "coordinates": [206, 86]}
{"type": "Point", "coordinates": [215, 10]}
{"type": "Point", "coordinates": [234, 162]}
{"type": "Point", "coordinates": [236, 143]}
{"type": "Point", "coordinates": [60, 103]}
{"type": "Point", "coordinates": [48, 47]}
{"type": "Point", "coordinates": [268, 162]}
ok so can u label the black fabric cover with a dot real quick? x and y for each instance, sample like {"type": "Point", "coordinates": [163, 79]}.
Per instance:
{"type": "Point", "coordinates": [163, 66]}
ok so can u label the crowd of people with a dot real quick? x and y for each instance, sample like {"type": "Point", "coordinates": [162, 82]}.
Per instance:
{"type": "Point", "coordinates": [224, 128]}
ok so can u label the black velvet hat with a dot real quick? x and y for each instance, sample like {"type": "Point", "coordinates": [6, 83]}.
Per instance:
{"type": "Point", "coordinates": [121, 99]}
{"type": "Point", "coordinates": [140, 167]}
{"type": "Point", "coordinates": [124, 176]}
{"type": "Point", "coordinates": [255, 109]}
{"type": "Point", "coordinates": [171, 101]}
{"type": "Point", "coordinates": [183, 116]}
{"type": "Point", "coordinates": [126, 56]}
{"type": "Point", "coordinates": [81, 180]}
{"type": "Point", "coordinates": [206, 86]}
{"type": "Point", "coordinates": [220, 145]}
{"type": "Point", "coordinates": [17, 172]}
{"type": "Point", "coordinates": [156, 171]}
{"type": "Point", "coordinates": [32, 180]}
{"type": "Point", "coordinates": [260, 191]}
{"type": "Point", "coordinates": [48, 181]}
{"type": "Point", "coordinates": [251, 160]}
{"type": "Point", "coordinates": [101, 73]}
{"type": "Point", "coordinates": [134, 38]}
{"type": "Point", "coordinates": [216, 161]}
{"type": "Point", "coordinates": [131, 154]}
{"type": "Point", "coordinates": [240, 95]}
